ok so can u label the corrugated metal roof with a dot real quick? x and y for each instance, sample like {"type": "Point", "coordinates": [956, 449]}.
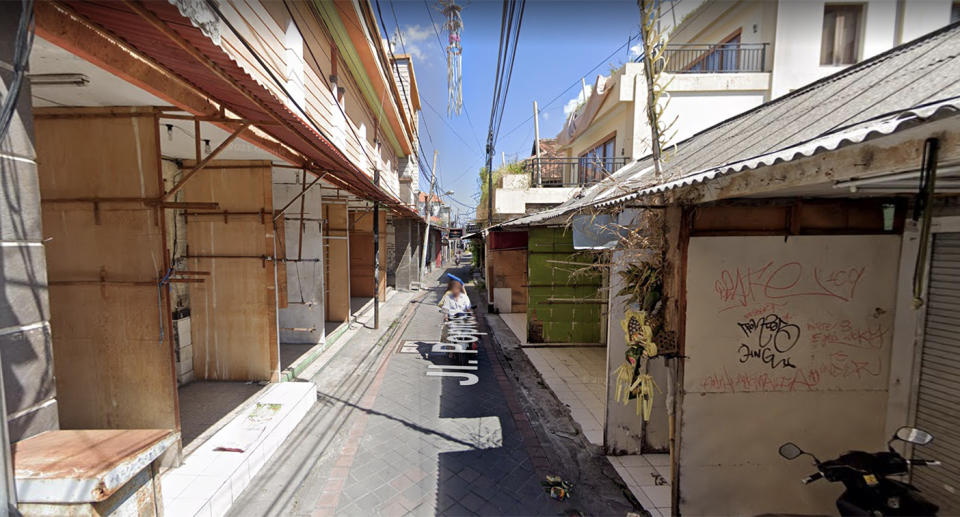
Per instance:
{"type": "Point", "coordinates": [124, 23]}
{"type": "Point", "coordinates": [910, 84]}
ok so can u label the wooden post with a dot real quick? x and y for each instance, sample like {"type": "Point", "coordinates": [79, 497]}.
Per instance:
{"type": "Point", "coordinates": [536, 140]}
{"type": "Point", "coordinates": [426, 235]}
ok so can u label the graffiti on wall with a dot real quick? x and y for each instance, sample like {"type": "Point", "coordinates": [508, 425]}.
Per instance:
{"type": "Point", "coordinates": [818, 320]}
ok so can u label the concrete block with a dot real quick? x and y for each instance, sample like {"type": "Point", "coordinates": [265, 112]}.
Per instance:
{"type": "Point", "coordinates": [20, 207]}
{"type": "Point", "coordinates": [44, 417]}
{"type": "Point", "coordinates": [23, 286]}
{"type": "Point", "coordinates": [183, 332]}
{"type": "Point", "coordinates": [502, 297]}
{"type": "Point", "coordinates": [27, 368]}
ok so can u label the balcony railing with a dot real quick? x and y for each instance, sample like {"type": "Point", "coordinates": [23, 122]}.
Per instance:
{"type": "Point", "coordinates": [571, 172]}
{"type": "Point", "coordinates": [721, 58]}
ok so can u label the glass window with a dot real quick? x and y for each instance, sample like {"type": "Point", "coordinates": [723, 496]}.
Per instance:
{"type": "Point", "coordinates": [598, 162]}
{"type": "Point", "coordinates": [839, 44]}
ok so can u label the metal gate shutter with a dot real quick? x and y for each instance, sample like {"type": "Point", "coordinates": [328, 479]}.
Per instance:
{"type": "Point", "coordinates": [938, 397]}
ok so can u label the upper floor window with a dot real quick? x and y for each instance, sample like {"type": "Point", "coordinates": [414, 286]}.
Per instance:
{"type": "Point", "coordinates": [840, 42]}
{"type": "Point", "coordinates": [955, 12]}
{"type": "Point", "coordinates": [722, 57]}
{"type": "Point", "coordinates": [598, 162]}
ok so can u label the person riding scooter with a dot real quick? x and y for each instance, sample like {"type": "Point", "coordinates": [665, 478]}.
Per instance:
{"type": "Point", "coordinates": [455, 301]}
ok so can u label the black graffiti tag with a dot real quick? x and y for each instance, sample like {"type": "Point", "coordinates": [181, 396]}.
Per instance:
{"type": "Point", "coordinates": [773, 336]}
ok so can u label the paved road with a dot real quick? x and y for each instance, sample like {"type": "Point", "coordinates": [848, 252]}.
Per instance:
{"type": "Point", "coordinates": [388, 439]}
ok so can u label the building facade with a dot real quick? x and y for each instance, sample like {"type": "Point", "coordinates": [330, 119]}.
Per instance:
{"type": "Point", "coordinates": [208, 193]}
{"type": "Point", "coordinates": [722, 58]}
{"type": "Point", "coordinates": [792, 299]}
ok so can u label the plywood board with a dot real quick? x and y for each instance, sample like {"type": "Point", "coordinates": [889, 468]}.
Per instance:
{"type": "Point", "coordinates": [362, 254]}
{"type": "Point", "coordinates": [233, 312]}
{"type": "Point", "coordinates": [336, 262]}
{"type": "Point", "coordinates": [786, 339]}
{"type": "Point", "coordinates": [511, 272]}
{"type": "Point", "coordinates": [112, 342]}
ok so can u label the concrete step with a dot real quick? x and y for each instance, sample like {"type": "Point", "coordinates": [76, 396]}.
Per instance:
{"type": "Point", "coordinates": [217, 471]}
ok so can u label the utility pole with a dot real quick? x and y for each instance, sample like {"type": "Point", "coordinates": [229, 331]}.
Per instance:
{"type": "Point", "coordinates": [426, 235]}
{"type": "Point", "coordinates": [536, 140]}
{"type": "Point", "coordinates": [376, 254]}
{"type": "Point", "coordinates": [490, 178]}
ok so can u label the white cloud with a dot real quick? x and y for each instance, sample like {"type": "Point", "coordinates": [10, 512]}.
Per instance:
{"type": "Point", "coordinates": [415, 41]}
{"type": "Point", "coordinates": [545, 115]}
{"type": "Point", "coordinates": [572, 104]}
{"type": "Point", "coordinates": [636, 50]}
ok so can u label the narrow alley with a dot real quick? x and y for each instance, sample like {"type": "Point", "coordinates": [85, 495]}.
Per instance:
{"type": "Point", "coordinates": [702, 243]}
{"type": "Point", "coordinates": [391, 436]}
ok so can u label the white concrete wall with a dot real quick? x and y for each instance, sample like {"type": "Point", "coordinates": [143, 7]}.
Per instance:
{"type": "Point", "coordinates": [825, 304]}
{"type": "Point", "coordinates": [699, 101]}
{"type": "Point", "coordinates": [304, 279]}
{"type": "Point", "coordinates": [515, 201]}
{"type": "Point", "coordinates": [800, 26]}
{"type": "Point", "coordinates": [922, 16]}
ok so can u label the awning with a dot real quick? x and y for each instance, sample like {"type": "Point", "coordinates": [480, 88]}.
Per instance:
{"type": "Point", "coordinates": [159, 31]}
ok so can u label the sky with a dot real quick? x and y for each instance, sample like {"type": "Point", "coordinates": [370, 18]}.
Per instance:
{"type": "Point", "coordinates": [560, 42]}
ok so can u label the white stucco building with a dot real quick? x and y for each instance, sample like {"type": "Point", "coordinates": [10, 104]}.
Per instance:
{"type": "Point", "coordinates": [724, 57]}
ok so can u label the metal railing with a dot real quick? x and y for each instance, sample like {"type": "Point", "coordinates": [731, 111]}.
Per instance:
{"type": "Point", "coordinates": [721, 58]}
{"type": "Point", "coordinates": [571, 172]}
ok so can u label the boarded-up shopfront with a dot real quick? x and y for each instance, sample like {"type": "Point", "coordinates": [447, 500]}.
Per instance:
{"type": "Point", "coordinates": [336, 261]}
{"type": "Point", "coordinates": [362, 284]}
{"type": "Point", "coordinates": [233, 312]}
{"type": "Point", "coordinates": [507, 271]}
{"type": "Point", "coordinates": [788, 334]}
{"type": "Point", "coordinates": [106, 254]}
{"type": "Point", "coordinates": [564, 304]}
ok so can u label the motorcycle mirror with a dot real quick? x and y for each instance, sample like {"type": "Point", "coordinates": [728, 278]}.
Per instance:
{"type": "Point", "coordinates": [913, 435]}
{"type": "Point", "coordinates": [790, 451]}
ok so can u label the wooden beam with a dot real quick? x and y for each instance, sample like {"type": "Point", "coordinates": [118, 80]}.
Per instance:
{"type": "Point", "coordinates": [208, 63]}
{"type": "Point", "coordinates": [298, 196]}
{"type": "Point", "coordinates": [203, 163]}
{"type": "Point", "coordinates": [58, 23]}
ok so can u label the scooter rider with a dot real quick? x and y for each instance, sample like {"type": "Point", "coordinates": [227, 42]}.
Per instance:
{"type": "Point", "coordinates": [455, 301]}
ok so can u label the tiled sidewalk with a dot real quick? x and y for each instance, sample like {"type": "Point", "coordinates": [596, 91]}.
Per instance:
{"type": "Point", "coordinates": [647, 476]}
{"type": "Point", "coordinates": [577, 375]}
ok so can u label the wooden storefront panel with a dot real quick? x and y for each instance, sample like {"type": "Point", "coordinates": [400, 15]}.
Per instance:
{"type": "Point", "coordinates": [511, 272]}
{"type": "Point", "coordinates": [361, 254]}
{"type": "Point", "coordinates": [233, 312]}
{"type": "Point", "coordinates": [336, 262]}
{"type": "Point", "coordinates": [111, 336]}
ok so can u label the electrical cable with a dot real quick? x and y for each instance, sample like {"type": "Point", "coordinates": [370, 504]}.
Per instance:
{"type": "Point", "coordinates": [575, 83]}
{"type": "Point", "coordinates": [283, 87]}
{"type": "Point", "coordinates": [21, 58]}
{"type": "Point", "coordinates": [323, 78]}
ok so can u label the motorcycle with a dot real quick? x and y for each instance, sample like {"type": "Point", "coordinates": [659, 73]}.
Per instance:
{"type": "Point", "coordinates": [461, 329]}
{"type": "Point", "coordinates": [869, 489]}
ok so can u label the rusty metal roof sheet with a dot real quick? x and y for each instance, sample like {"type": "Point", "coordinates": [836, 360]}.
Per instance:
{"type": "Point", "coordinates": [300, 134]}
{"type": "Point", "coordinates": [83, 465]}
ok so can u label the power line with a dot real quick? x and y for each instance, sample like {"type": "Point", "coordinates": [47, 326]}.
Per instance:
{"type": "Point", "coordinates": [575, 83]}
{"type": "Point", "coordinates": [323, 78]}
{"type": "Point", "coordinates": [393, 59]}
{"type": "Point", "coordinates": [506, 56]}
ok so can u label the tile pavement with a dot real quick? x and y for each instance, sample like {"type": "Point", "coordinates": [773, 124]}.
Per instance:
{"type": "Point", "coordinates": [647, 476]}
{"type": "Point", "coordinates": [401, 457]}
{"type": "Point", "coordinates": [578, 377]}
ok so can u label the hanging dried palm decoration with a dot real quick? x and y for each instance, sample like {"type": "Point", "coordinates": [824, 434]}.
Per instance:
{"type": "Point", "coordinates": [453, 26]}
